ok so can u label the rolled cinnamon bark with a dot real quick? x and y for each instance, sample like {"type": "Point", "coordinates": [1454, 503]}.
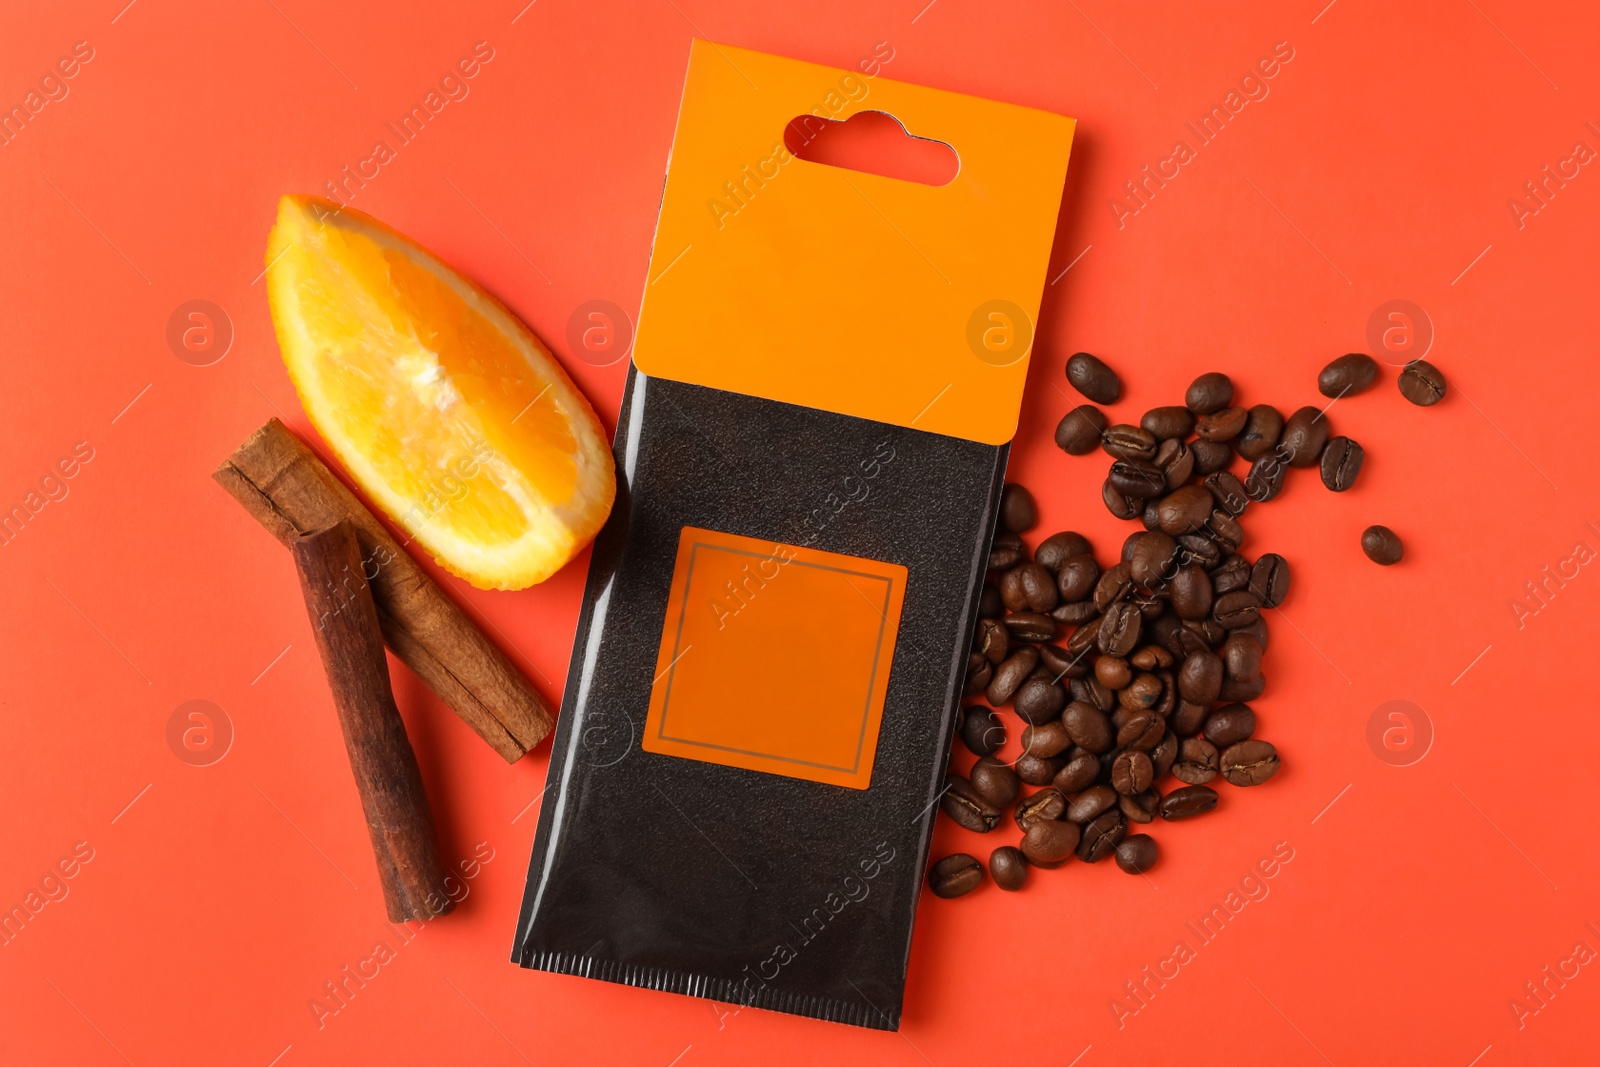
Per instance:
{"type": "Point", "coordinates": [345, 622]}
{"type": "Point", "coordinates": [292, 492]}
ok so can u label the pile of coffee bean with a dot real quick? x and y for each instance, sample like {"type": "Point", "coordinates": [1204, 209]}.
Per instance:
{"type": "Point", "coordinates": [1124, 675]}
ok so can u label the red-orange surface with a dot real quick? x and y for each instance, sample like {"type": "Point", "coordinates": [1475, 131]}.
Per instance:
{"type": "Point", "coordinates": [209, 904]}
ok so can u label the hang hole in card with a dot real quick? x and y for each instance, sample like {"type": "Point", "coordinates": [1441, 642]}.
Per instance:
{"type": "Point", "coordinates": [872, 142]}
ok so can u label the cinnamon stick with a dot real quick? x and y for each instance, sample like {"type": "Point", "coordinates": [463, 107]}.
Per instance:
{"type": "Point", "coordinates": [345, 622]}
{"type": "Point", "coordinates": [291, 492]}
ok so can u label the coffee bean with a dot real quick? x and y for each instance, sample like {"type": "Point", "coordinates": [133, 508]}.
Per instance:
{"type": "Point", "coordinates": [1222, 425]}
{"type": "Point", "coordinates": [1164, 755]}
{"type": "Point", "coordinates": [982, 731]}
{"type": "Point", "coordinates": [1046, 805]}
{"type": "Point", "coordinates": [991, 640]}
{"type": "Point", "coordinates": [1089, 729]}
{"type": "Point", "coordinates": [1112, 671]}
{"type": "Point", "coordinates": [1017, 511]}
{"type": "Point", "coordinates": [979, 672]}
{"type": "Point", "coordinates": [1228, 491]}
{"type": "Point", "coordinates": [1038, 587]}
{"type": "Point", "coordinates": [1382, 545]}
{"type": "Point", "coordinates": [1141, 694]}
{"type": "Point", "coordinates": [1102, 836]}
{"type": "Point", "coordinates": [1141, 807]}
{"type": "Point", "coordinates": [1123, 441]}
{"type": "Point", "coordinates": [1200, 678]}
{"type": "Point", "coordinates": [1062, 664]}
{"type": "Point", "coordinates": [1074, 614]}
{"type": "Point", "coordinates": [1055, 550]}
{"type": "Point", "coordinates": [1236, 609]}
{"type": "Point", "coordinates": [1093, 379]}
{"type": "Point", "coordinates": [990, 605]}
{"type": "Point", "coordinates": [1249, 763]}
{"type": "Point", "coordinates": [1303, 437]}
{"type": "Point", "coordinates": [1187, 802]}
{"type": "Point", "coordinates": [1197, 761]}
{"type": "Point", "coordinates": [1142, 731]}
{"type": "Point", "coordinates": [1261, 432]}
{"type": "Point", "coordinates": [994, 781]}
{"type": "Point", "coordinates": [1422, 383]}
{"type": "Point", "coordinates": [1151, 657]}
{"type": "Point", "coordinates": [1168, 422]}
{"type": "Point", "coordinates": [1120, 504]}
{"type": "Point", "coordinates": [1038, 700]}
{"type": "Point", "coordinates": [1046, 740]}
{"type": "Point", "coordinates": [1011, 592]}
{"type": "Point", "coordinates": [1131, 772]}
{"type": "Point", "coordinates": [1116, 583]}
{"type": "Point", "coordinates": [1211, 632]}
{"type": "Point", "coordinates": [1225, 529]}
{"type": "Point", "coordinates": [1091, 803]}
{"type": "Point", "coordinates": [1152, 558]}
{"type": "Point", "coordinates": [1189, 718]}
{"type": "Point", "coordinates": [1230, 724]}
{"type": "Point", "coordinates": [1210, 456]}
{"type": "Point", "coordinates": [1078, 432]}
{"type": "Point", "coordinates": [1235, 689]}
{"type": "Point", "coordinates": [1269, 579]}
{"type": "Point", "coordinates": [1038, 770]}
{"type": "Point", "coordinates": [1009, 868]}
{"type": "Point", "coordinates": [1265, 479]}
{"type": "Point", "coordinates": [1091, 692]}
{"type": "Point", "coordinates": [1233, 572]}
{"type": "Point", "coordinates": [1150, 518]}
{"type": "Point", "coordinates": [1347, 375]}
{"type": "Point", "coordinates": [1005, 551]}
{"type": "Point", "coordinates": [1050, 844]}
{"type": "Point", "coordinates": [1176, 463]}
{"type": "Point", "coordinates": [1137, 853]}
{"type": "Point", "coordinates": [1084, 637]}
{"type": "Point", "coordinates": [1209, 393]}
{"type": "Point", "coordinates": [1341, 463]}
{"type": "Point", "coordinates": [1009, 676]}
{"type": "Point", "coordinates": [955, 875]}
{"type": "Point", "coordinates": [1241, 656]}
{"type": "Point", "coordinates": [1191, 592]}
{"type": "Point", "coordinates": [1080, 772]}
{"type": "Point", "coordinates": [1030, 626]}
{"type": "Point", "coordinates": [1127, 547]}
{"type": "Point", "coordinates": [1077, 577]}
{"type": "Point", "coordinates": [1185, 510]}
{"type": "Point", "coordinates": [966, 808]}
{"type": "Point", "coordinates": [1137, 478]}
{"type": "Point", "coordinates": [1120, 624]}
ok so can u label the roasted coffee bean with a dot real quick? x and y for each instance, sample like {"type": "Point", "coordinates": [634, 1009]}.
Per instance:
{"type": "Point", "coordinates": [1241, 656]}
{"type": "Point", "coordinates": [1197, 761]}
{"type": "Point", "coordinates": [1084, 637]}
{"type": "Point", "coordinates": [955, 875]}
{"type": "Point", "coordinates": [1341, 463]}
{"type": "Point", "coordinates": [1142, 732]}
{"type": "Point", "coordinates": [1233, 572]}
{"type": "Point", "coordinates": [1166, 631]}
{"type": "Point", "coordinates": [1046, 740]}
{"type": "Point", "coordinates": [1046, 805]}
{"type": "Point", "coordinates": [1422, 383]}
{"type": "Point", "coordinates": [1236, 689]}
{"type": "Point", "coordinates": [991, 640]}
{"type": "Point", "coordinates": [1112, 671]}
{"type": "Point", "coordinates": [1038, 587]}
{"type": "Point", "coordinates": [1209, 393]}
{"type": "Point", "coordinates": [1076, 578]}
{"type": "Point", "coordinates": [1228, 491]}
{"type": "Point", "coordinates": [994, 781]}
{"type": "Point", "coordinates": [1005, 551]}
{"type": "Point", "coordinates": [1261, 432]}
{"type": "Point", "coordinates": [1075, 613]}
{"type": "Point", "coordinates": [1151, 657]}
{"type": "Point", "coordinates": [1211, 632]}
{"type": "Point", "coordinates": [1127, 547]}
{"type": "Point", "coordinates": [1009, 868]}
{"type": "Point", "coordinates": [1009, 676]}
{"type": "Point", "coordinates": [1152, 558]}
{"type": "Point", "coordinates": [1120, 624]}
{"type": "Point", "coordinates": [978, 674]}
{"type": "Point", "coordinates": [1102, 836]}
{"type": "Point", "coordinates": [1269, 579]}
{"type": "Point", "coordinates": [1091, 803]}
{"type": "Point", "coordinates": [1078, 432]}
{"type": "Point", "coordinates": [1093, 379]}
{"type": "Point", "coordinates": [1123, 441]}
{"type": "Point", "coordinates": [1137, 853]}
{"type": "Point", "coordinates": [1091, 692]}
{"type": "Point", "coordinates": [1164, 754]}
{"type": "Point", "coordinates": [1230, 724]}
{"type": "Point", "coordinates": [1038, 770]}
{"type": "Point", "coordinates": [1210, 456]}
{"type": "Point", "coordinates": [1168, 422]}
{"type": "Point", "coordinates": [1141, 807]}
{"type": "Point", "coordinates": [1134, 477]}
{"type": "Point", "coordinates": [1050, 844]}
{"type": "Point", "coordinates": [1249, 763]}
{"type": "Point", "coordinates": [1038, 700]}
{"type": "Point", "coordinates": [1131, 772]}
{"type": "Point", "coordinates": [1115, 584]}
{"type": "Point", "coordinates": [1150, 517]}
{"type": "Point", "coordinates": [1061, 663]}
{"type": "Point", "coordinates": [1189, 718]}
{"type": "Point", "coordinates": [1011, 592]}
{"type": "Point", "coordinates": [990, 606]}
{"type": "Point", "coordinates": [966, 808]}
{"type": "Point", "coordinates": [1187, 802]}
{"type": "Point", "coordinates": [1236, 609]}
{"type": "Point", "coordinates": [1347, 375]}
{"type": "Point", "coordinates": [1176, 463]}
{"type": "Point", "coordinates": [1225, 529]}
{"type": "Point", "coordinates": [1089, 729]}
{"type": "Point", "coordinates": [1191, 592]}
{"type": "Point", "coordinates": [982, 731]}
{"type": "Point", "coordinates": [1030, 626]}
{"type": "Point", "coordinates": [1303, 437]}
{"type": "Point", "coordinates": [1018, 513]}
{"type": "Point", "coordinates": [1200, 678]}
{"type": "Point", "coordinates": [1141, 694]}
{"type": "Point", "coordinates": [1120, 504]}
{"type": "Point", "coordinates": [1265, 479]}
{"type": "Point", "coordinates": [1056, 549]}
{"type": "Point", "coordinates": [1382, 545]}
{"type": "Point", "coordinates": [1222, 425]}
{"type": "Point", "coordinates": [1185, 510]}
{"type": "Point", "coordinates": [1080, 772]}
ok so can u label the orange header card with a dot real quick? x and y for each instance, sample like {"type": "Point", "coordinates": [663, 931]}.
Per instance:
{"type": "Point", "coordinates": [855, 293]}
{"type": "Point", "coordinates": [775, 658]}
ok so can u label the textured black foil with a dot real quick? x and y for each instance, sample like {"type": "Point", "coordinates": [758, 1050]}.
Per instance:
{"type": "Point", "coordinates": [738, 885]}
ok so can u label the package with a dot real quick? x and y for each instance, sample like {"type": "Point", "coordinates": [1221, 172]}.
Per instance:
{"type": "Point", "coordinates": [827, 370]}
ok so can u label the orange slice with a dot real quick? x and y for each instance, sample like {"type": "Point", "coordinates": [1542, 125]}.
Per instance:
{"type": "Point", "coordinates": [446, 410]}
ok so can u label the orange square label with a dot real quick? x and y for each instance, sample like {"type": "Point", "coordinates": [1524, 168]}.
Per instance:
{"type": "Point", "coordinates": [774, 658]}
